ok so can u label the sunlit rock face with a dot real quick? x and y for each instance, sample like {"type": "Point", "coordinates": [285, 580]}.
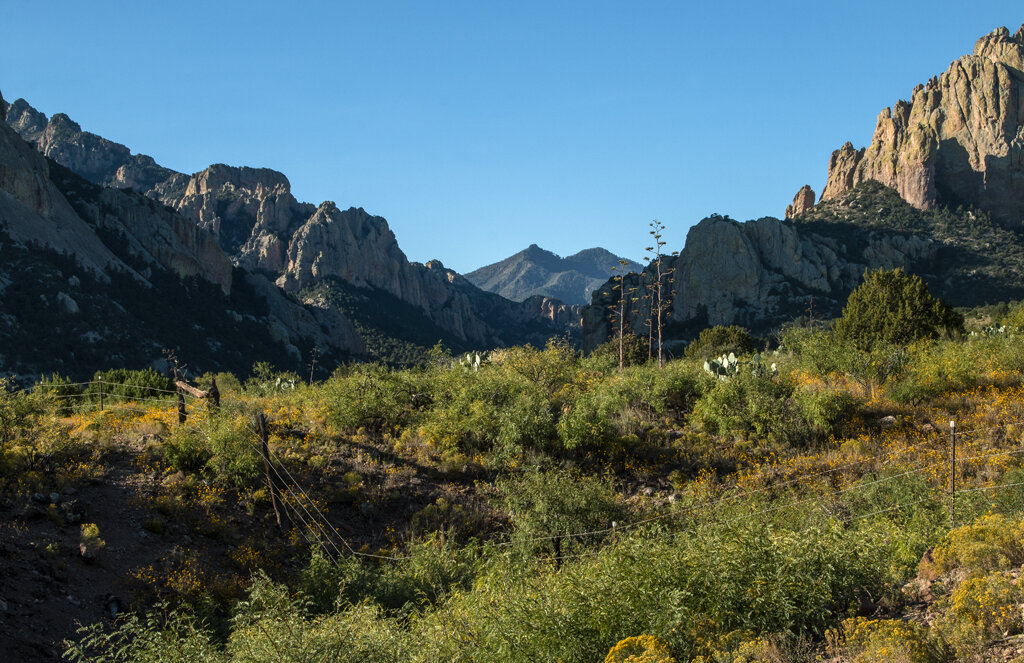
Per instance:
{"type": "Point", "coordinates": [959, 140]}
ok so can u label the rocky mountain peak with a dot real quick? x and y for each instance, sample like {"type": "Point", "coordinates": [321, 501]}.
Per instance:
{"type": "Point", "coordinates": [27, 121]}
{"type": "Point", "coordinates": [3, 109]}
{"type": "Point", "coordinates": [1000, 46]}
{"type": "Point", "coordinates": [959, 140]}
{"type": "Point", "coordinates": [537, 271]}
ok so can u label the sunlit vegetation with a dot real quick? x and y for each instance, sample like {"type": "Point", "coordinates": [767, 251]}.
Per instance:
{"type": "Point", "coordinates": [540, 505]}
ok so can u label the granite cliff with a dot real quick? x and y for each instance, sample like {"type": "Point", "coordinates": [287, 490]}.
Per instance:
{"type": "Point", "coordinates": [959, 140]}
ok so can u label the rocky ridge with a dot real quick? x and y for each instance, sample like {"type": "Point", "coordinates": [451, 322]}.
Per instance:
{"type": "Point", "coordinates": [959, 140]}
{"type": "Point", "coordinates": [117, 272]}
{"type": "Point", "coordinates": [264, 229]}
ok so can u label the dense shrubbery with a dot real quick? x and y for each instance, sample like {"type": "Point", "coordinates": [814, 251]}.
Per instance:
{"type": "Point", "coordinates": [755, 513]}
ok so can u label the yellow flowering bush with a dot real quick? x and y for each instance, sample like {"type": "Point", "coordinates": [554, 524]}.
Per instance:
{"type": "Point", "coordinates": [980, 610]}
{"type": "Point", "coordinates": [990, 544]}
{"type": "Point", "coordinates": [640, 649]}
{"type": "Point", "coordinates": [863, 640]}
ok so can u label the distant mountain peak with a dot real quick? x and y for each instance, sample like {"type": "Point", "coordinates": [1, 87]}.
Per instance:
{"type": "Point", "coordinates": [537, 271]}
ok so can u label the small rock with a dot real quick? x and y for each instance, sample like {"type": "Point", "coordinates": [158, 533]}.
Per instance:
{"type": "Point", "coordinates": [887, 422]}
{"type": "Point", "coordinates": [54, 498]}
{"type": "Point", "coordinates": [111, 606]}
{"type": "Point", "coordinates": [39, 497]}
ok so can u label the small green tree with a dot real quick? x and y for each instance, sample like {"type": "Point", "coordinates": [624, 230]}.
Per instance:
{"type": "Point", "coordinates": [894, 308]}
{"type": "Point", "coordinates": [559, 512]}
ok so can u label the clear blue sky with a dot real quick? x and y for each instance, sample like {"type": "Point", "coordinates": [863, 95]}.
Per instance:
{"type": "Point", "coordinates": [477, 128]}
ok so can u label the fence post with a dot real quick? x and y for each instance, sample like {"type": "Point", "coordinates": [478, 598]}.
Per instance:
{"type": "Point", "coordinates": [952, 474]}
{"type": "Point", "coordinates": [213, 395]}
{"type": "Point", "coordinates": [99, 381]}
{"type": "Point", "coordinates": [261, 428]}
{"type": "Point", "coordinates": [181, 407]}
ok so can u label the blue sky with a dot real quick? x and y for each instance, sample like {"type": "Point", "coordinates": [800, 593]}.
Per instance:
{"type": "Point", "coordinates": [478, 128]}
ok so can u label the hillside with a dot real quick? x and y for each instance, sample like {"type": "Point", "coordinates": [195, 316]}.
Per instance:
{"type": "Point", "coordinates": [543, 506]}
{"type": "Point", "coordinates": [92, 275]}
{"type": "Point", "coordinates": [259, 224]}
{"type": "Point", "coordinates": [534, 271]}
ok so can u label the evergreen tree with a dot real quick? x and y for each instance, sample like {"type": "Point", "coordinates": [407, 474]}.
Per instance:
{"type": "Point", "coordinates": [895, 308]}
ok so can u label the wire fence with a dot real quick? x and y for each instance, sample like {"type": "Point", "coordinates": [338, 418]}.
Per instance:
{"type": "Point", "coordinates": [316, 528]}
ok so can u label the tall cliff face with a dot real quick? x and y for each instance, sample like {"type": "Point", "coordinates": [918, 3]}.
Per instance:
{"type": "Point", "coordinates": [959, 140]}
{"type": "Point", "coordinates": [262, 227]}
{"type": "Point", "coordinates": [251, 211]}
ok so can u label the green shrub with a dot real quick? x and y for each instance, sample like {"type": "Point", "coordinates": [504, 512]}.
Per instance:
{"type": "Point", "coordinates": [231, 444]}
{"type": "Point", "coordinates": [492, 411]}
{"type": "Point", "coordinates": [636, 351]}
{"type": "Point", "coordinates": [719, 340]}
{"type": "Point", "coordinates": [822, 409]}
{"type": "Point", "coordinates": [548, 508]}
{"type": "Point", "coordinates": [430, 570]}
{"type": "Point", "coordinates": [187, 449]}
{"type": "Point", "coordinates": [370, 396]}
{"type": "Point", "coordinates": [817, 351]}
{"type": "Point", "coordinates": [62, 392]}
{"type": "Point", "coordinates": [125, 384]}
{"type": "Point", "coordinates": [273, 625]}
{"type": "Point", "coordinates": [158, 636]}
{"type": "Point", "coordinates": [751, 405]}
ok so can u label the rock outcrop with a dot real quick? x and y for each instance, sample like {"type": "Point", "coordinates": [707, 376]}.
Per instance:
{"type": "Point", "coordinates": [251, 211]}
{"type": "Point", "coordinates": [959, 140]}
{"type": "Point", "coordinates": [93, 157]}
{"type": "Point", "coordinates": [802, 201]}
{"type": "Point", "coordinates": [759, 274]}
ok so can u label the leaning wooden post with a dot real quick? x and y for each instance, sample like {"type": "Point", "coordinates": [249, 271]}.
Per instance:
{"type": "Point", "coordinates": [99, 381]}
{"type": "Point", "coordinates": [952, 474]}
{"type": "Point", "coordinates": [181, 407]}
{"type": "Point", "coordinates": [261, 428]}
{"type": "Point", "coordinates": [214, 395]}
